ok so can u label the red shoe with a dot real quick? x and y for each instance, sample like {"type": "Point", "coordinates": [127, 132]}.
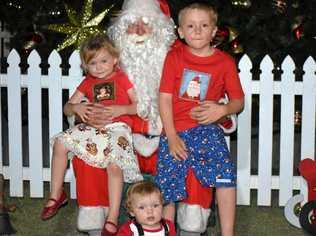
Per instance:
{"type": "Point", "coordinates": [50, 211]}
{"type": "Point", "coordinates": [106, 232]}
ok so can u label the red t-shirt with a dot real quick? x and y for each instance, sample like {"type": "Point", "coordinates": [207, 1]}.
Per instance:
{"type": "Point", "coordinates": [129, 229]}
{"type": "Point", "coordinates": [190, 78]}
{"type": "Point", "coordinates": [109, 91]}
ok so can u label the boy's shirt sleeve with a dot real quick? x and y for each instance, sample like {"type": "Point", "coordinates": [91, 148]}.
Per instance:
{"type": "Point", "coordinates": [232, 82]}
{"type": "Point", "coordinates": [167, 82]}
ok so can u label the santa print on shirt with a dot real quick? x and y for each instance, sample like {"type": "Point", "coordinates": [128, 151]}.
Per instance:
{"type": "Point", "coordinates": [194, 85]}
{"type": "Point", "coordinates": [104, 91]}
{"type": "Point", "coordinates": [130, 229]}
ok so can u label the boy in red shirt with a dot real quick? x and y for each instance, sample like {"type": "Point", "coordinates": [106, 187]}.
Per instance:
{"type": "Point", "coordinates": [194, 78]}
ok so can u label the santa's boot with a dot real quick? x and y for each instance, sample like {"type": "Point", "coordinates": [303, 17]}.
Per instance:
{"type": "Point", "coordinates": [192, 219]}
{"type": "Point", "coordinates": [92, 197]}
{"type": "Point", "coordinates": [91, 219]}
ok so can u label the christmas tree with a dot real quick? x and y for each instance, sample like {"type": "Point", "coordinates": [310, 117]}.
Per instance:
{"type": "Point", "coordinates": [252, 27]}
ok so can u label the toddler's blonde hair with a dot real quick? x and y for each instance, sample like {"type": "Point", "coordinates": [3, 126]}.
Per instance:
{"type": "Point", "coordinates": [142, 188]}
{"type": "Point", "coordinates": [199, 6]}
{"type": "Point", "coordinates": [93, 44]}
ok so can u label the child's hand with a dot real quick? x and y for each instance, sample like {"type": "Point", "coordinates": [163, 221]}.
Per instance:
{"type": "Point", "coordinates": [208, 112]}
{"type": "Point", "coordinates": [177, 148]}
{"type": "Point", "coordinates": [83, 110]}
{"type": "Point", "coordinates": [98, 117]}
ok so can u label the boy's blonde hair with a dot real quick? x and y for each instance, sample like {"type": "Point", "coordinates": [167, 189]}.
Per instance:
{"type": "Point", "coordinates": [142, 188]}
{"type": "Point", "coordinates": [93, 44]}
{"type": "Point", "coordinates": [199, 6]}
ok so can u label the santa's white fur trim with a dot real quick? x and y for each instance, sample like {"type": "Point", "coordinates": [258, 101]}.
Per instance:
{"type": "Point", "coordinates": [192, 218]}
{"type": "Point", "coordinates": [148, 8]}
{"type": "Point", "coordinates": [91, 218]}
{"type": "Point", "coordinates": [155, 129]}
{"type": "Point", "coordinates": [145, 146]}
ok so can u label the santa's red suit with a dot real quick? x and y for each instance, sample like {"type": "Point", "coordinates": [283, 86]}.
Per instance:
{"type": "Point", "coordinates": [92, 192]}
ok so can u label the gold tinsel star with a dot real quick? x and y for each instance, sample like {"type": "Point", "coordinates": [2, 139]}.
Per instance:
{"type": "Point", "coordinates": [80, 26]}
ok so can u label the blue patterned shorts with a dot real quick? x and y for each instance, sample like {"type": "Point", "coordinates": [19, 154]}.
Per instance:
{"type": "Point", "coordinates": [208, 157]}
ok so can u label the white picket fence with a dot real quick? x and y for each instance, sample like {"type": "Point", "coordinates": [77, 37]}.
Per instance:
{"type": "Point", "coordinates": [266, 88]}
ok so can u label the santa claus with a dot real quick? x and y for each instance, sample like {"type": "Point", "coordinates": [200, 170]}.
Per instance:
{"type": "Point", "coordinates": [143, 32]}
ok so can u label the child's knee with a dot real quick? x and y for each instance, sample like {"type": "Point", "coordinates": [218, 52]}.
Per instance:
{"type": "Point", "coordinates": [114, 169]}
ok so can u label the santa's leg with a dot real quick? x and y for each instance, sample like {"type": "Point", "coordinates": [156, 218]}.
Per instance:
{"type": "Point", "coordinates": [92, 197]}
{"type": "Point", "coordinates": [145, 146]}
{"type": "Point", "coordinates": [193, 212]}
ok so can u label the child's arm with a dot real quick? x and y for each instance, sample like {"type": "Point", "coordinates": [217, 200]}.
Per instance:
{"type": "Point", "coordinates": [118, 110]}
{"type": "Point", "coordinates": [177, 147]}
{"type": "Point", "coordinates": [209, 111]}
{"type": "Point", "coordinates": [74, 107]}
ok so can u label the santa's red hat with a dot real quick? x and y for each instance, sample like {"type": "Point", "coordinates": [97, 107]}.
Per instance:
{"type": "Point", "coordinates": [164, 7]}
{"type": "Point", "coordinates": [149, 8]}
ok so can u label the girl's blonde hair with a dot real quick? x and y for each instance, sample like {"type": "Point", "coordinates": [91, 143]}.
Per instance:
{"type": "Point", "coordinates": [93, 44]}
{"type": "Point", "coordinates": [142, 188]}
{"type": "Point", "coordinates": [199, 6]}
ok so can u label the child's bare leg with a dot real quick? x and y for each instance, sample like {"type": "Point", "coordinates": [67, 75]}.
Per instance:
{"type": "Point", "coordinates": [226, 200]}
{"type": "Point", "coordinates": [59, 166]}
{"type": "Point", "coordinates": [169, 212]}
{"type": "Point", "coordinates": [115, 185]}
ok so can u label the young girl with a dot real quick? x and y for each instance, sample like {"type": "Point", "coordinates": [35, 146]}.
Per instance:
{"type": "Point", "coordinates": [144, 203]}
{"type": "Point", "coordinates": [107, 147]}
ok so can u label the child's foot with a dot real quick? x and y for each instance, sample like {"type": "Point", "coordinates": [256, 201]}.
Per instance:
{"type": "Point", "coordinates": [53, 205]}
{"type": "Point", "coordinates": [109, 229]}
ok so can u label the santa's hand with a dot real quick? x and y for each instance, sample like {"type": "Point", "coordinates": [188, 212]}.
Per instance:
{"type": "Point", "coordinates": [177, 148]}
{"type": "Point", "coordinates": [113, 111]}
{"type": "Point", "coordinates": [207, 112]}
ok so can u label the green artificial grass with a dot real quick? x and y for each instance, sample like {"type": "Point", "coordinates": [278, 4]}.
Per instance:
{"type": "Point", "coordinates": [250, 220]}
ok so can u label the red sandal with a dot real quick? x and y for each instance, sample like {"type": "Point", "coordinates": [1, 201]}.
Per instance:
{"type": "Point", "coordinates": [106, 232]}
{"type": "Point", "coordinates": [50, 211]}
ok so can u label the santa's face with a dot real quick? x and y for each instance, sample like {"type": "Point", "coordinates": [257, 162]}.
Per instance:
{"type": "Point", "coordinates": [139, 30]}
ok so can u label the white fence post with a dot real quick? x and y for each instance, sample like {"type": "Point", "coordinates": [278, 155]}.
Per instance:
{"type": "Point", "coordinates": [15, 125]}
{"type": "Point", "coordinates": [244, 135]}
{"type": "Point", "coordinates": [35, 125]}
{"type": "Point", "coordinates": [55, 96]}
{"type": "Point", "coordinates": [265, 132]}
{"type": "Point", "coordinates": [287, 87]}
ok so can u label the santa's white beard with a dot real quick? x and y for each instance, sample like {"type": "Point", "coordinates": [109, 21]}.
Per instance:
{"type": "Point", "coordinates": [143, 63]}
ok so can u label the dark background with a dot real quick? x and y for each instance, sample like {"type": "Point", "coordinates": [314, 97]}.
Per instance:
{"type": "Point", "coordinates": [252, 27]}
